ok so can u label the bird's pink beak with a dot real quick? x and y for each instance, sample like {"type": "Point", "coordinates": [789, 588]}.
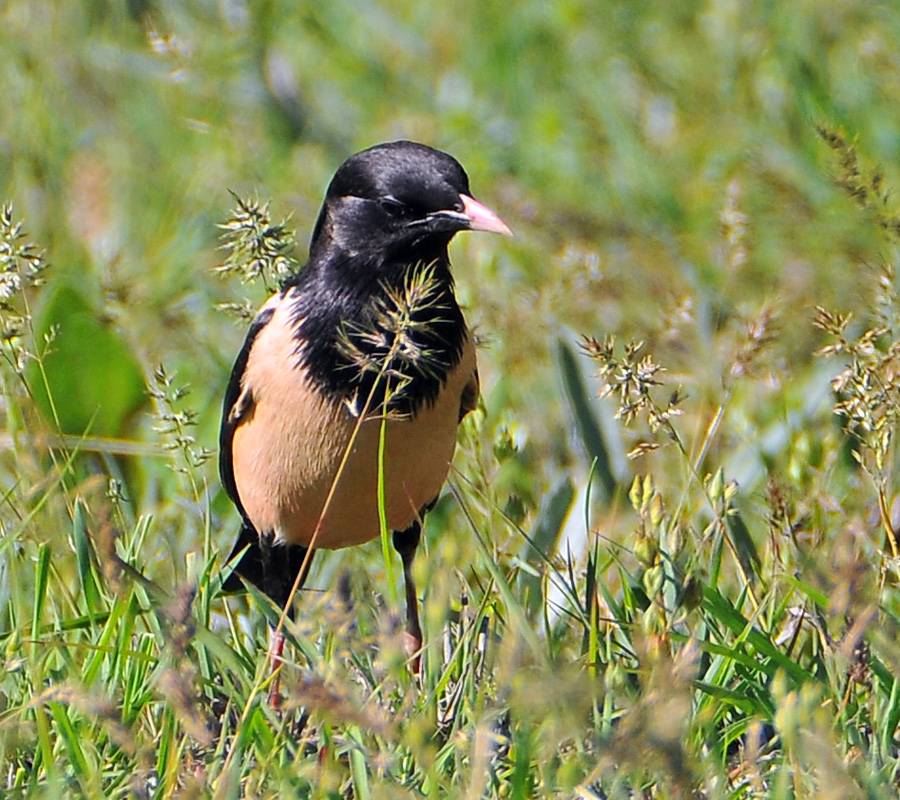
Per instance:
{"type": "Point", "coordinates": [481, 218]}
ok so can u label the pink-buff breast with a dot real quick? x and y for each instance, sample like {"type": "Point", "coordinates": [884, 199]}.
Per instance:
{"type": "Point", "coordinates": [290, 442]}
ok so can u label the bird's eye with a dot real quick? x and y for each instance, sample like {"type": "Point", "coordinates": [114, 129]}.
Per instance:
{"type": "Point", "coordinates": [393, 206]}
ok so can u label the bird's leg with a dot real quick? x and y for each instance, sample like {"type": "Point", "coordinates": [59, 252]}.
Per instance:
{"type": "Point", "coordinates": [272, 587]}
{"type": "Point", "coordinates": [280, 566]}
{"type": "Point", "coordinates": [276, 651]}
{"type": "Point", "coordinates": [405, 543]}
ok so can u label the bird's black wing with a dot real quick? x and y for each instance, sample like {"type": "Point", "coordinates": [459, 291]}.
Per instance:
{"type": "Point", "coordinates": [250, 566]}
{"type": "Point", "coordinates": [230, 419]}
{"type": "Point", "coordinates": [275, 576]}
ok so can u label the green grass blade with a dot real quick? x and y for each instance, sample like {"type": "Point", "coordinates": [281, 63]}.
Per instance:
{"type": "Point", "coordinates": [85, 561]}
{"type": "Point", "coordinates": [580, 406]}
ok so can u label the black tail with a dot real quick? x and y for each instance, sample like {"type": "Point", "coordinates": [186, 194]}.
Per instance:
{"type": "Point", "coordinates": [272, 568]}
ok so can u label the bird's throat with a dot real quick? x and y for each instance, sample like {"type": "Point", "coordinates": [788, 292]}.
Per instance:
{"type": "Point", "coordinates": [381, 344]}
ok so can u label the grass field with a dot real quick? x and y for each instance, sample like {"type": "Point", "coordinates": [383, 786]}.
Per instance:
{"type": "Point", "coordinates": [666, 564]}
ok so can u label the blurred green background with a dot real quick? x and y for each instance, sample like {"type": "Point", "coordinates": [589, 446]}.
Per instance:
{"type": "Point", "coordinates": [611, 135]}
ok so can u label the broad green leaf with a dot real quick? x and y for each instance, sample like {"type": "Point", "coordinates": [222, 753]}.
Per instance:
{"type": "Point", "coordinates": [90, 380]}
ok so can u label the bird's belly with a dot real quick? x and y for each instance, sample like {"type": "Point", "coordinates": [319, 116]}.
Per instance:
{"type": "Point", "coordinates": [288, 453]}
{"type": "Point", "coordinates": [415, 465]}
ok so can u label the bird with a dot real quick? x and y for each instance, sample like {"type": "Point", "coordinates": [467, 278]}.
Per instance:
{"type": "Point", "coordinates": [366, 340]}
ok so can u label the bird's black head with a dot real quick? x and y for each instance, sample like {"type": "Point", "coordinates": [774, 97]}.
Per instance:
{"type": "Point", "coordinates": [398, 201]}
